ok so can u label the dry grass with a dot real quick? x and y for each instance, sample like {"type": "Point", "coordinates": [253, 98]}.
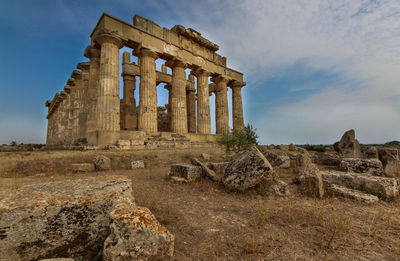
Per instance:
{"type": "Point", "coordinates": [211, 223]}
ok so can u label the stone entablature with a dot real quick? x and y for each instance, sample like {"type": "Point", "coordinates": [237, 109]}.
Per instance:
{"type": "Point", "coordinates": [90, 109]}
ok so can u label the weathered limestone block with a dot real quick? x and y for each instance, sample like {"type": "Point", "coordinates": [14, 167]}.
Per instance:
{"type": "Point", "coordinates": [391, 162]}
{"type": "Point", "coordinates": [368, 166]}
{"type": "Point", "coordinates": [186, 171]}
{"type": "Point", "coordinates": [62, 218]}
{"type": "Point", "coordinates": [308, 176]}
{"type": "Point", "coordinates": [102, 163]}
{"type": "Point", "coordinates": [218, 167]}
{"type": "Point", "coordinates": [136, 235]}
{"type": "Point", "coordinates": [349, 147]}
{"type": "Point", "coordinates": [122, 143]}
{"type": "Point", "coordinates": [275, 187]}
{"type": "Point", "coordinates": [340, 191]}
{"type": "Point", "coordinates": [82, 167]}
{"type": "Point", "coordinates": [246, 169]}
{"type": "Point", "coordinates": [277, 159]}
{"type": "Point", "coordinates": [292, 147]}
{"type": "Point", "coordinates": [385, 188]}
{"type": "Point", "coordinates": [328, 158]}
{"type": "Point", "coordinates": [137, 164]}
{"type": "Point", "coordinates": [369, 152]}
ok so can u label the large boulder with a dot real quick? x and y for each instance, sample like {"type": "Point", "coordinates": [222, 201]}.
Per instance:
{"type": "Point", "coordinates": [367, 166]}
{"type": "Point", "coordinates": [186, 171]}
{"type": "Point", "coordinates": [391, 162]}
{"type": "Point", "coordinates": [277, 159]}
{"type": "Point", "coordinates": [308, 176]}
{"type": "Point", "coordinates": [385, 188]}
{"type": "Point", "coordinates": [102, 163]}
{"type": "Point", "coordinates": [349, 147]}
{"type": "Point", "coordinates": [369, 152]}
{"type": "Point", "coordinates": [246, 169]}
{"type": "Point", "coordinates": [61, 219]}
{"type": "Point", "coordinates": [135, 234]}
{"type": "Point", "coordinates": [328, 158]}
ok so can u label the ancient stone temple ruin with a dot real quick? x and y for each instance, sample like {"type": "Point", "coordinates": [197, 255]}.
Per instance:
{"type": "Point", "coordinates": [89, 109]}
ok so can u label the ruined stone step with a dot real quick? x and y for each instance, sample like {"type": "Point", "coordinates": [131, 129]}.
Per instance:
{"type": "Point", "coordinates": [384, 188]}
{"type": "Point", "coordinates": [340, 191]}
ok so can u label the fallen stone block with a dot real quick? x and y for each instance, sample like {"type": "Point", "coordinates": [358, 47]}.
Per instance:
{"type": "Point", "coordinates": [368, 166]}
{"type": "Point", "coordinates": [206, 171]}
{"type": "Point", "coordinates": [62, 218]}
{"type": "Point", "coordinates": [218, 167]}
{"type": "Point", "coordinates": [274, 187]}
{"type": "Point", "coordinates": [137, 164]}
{"type": "Point", "coordinates": [328, 159]}
{"type": "Point", "coordinates": [369, 152]}
{"type": "Point", "coordinates": [349, 147]}
{"type": "Point", "coordinates": [82, 167]}
{"type": "Point", "coordinates": [340, 191]}
{"type": "Point", "coordinates": [124, 143]}
{"type": "Point", "coordinates": [384, 188]}
{"type": "Point", "coordinates": [135, 234]}
{"type": "Point", "coordinates": [277, 159]}
{"type": "Point", "coordinates": [102, 163]}
{"type": "Point", "coordinates": [308, 176]}
{"type": "Point", "coordinates": [189, 172]}
{"type": "Point", "coordinates": [391, 162]}
{"type": "Point", "coordinates": [246, 169]}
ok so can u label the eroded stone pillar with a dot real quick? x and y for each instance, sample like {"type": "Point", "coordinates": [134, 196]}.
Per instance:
{"type": "Point", "coordinates": [191, 104]}
{"type": "Point", "coordinates": [221, 105]}
{"type": "Point", "coordinates": [128, 105]}
{"type": "Point", "coordinates": [203, 102]}
{"type": "Point", "coordinates": [178, 117]}
{"type": "Point", "coordinates": [237, 105]}
{"type": "Point", "coordinates": [83, 115]}
{"type": "Point", "coordinates": [147, 91]}
{"type": "Point", "coordinates": [92, 92]}
{"type": "Point", "coordinates": [108, 103]}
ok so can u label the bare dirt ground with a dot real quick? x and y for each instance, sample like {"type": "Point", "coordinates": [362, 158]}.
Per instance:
{"type": "Point", "coordinates": [211, 223]}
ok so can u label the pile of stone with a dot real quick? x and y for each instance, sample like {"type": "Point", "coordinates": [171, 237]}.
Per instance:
{"type": "Point", "coordinates": [80, 218]}
{"type": "Point", "coordinates": [362, 176]}
{"type": "Point", "coordinates": [101, 163]}
{"type": "Point", "coordinates": [244, 170]}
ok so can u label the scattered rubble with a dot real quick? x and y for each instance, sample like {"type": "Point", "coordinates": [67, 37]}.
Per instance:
{"type": "Point", "coordinates": [137, 164]}
{"type": "Point", "coordinates": [102, 163]}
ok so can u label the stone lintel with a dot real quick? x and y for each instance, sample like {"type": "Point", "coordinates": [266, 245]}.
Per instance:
{"type": "Point", "coordinates": [84, 66]}
{"type": "Point", "coordinates": [141, 51]}
{"type": "Point", "coordinates": [176, 63]}
{"type": "Point", "coordinates": [104, 36]}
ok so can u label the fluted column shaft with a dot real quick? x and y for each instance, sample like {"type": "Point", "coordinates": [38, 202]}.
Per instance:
{"type": "Point", "coordinates": [147, 91]}
{"type": "Point", "coordinates": [168, 88]}
{"type": "Point", "coordinates": [108, 104]}
{"type": "Point", "coordinates": [191, 105]}
{"type": "Point", "coordinates": [92, 92]}
{"type": "Point", "coordinates": [83, 115]}
{"type": "Point", "coordinates": [203, 103]}
{"type": "Point", "coordinates": [221, 105]}
{"type": "Point", "coordinates": [178, 98]}
{"type": "Point", "coordinates": [237, 106]}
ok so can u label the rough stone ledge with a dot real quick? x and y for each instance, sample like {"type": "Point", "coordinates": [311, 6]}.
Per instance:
{"type": "Point", "coordinates": [340, 191]}
{"type": "Point", "coordinates": [60, 218]}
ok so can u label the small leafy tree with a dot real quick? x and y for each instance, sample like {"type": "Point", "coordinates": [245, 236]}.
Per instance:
{"type": "Point", "coordinates": [13, 143]}
{"type": "Point", "coordinates": [239, 140]}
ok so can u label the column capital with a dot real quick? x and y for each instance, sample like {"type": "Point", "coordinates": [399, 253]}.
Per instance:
{"type": "Point", "coordinates": [190, 88]}
{"type": "Point", "coordinates": [77, 75]}
{"type": "Point", "coordinates": [141, 51]}
{"type": "Point", "coordinates": [168, 87]}
{"type": "Point", "coordinates": [91, 52]}
{"type": "Point", "coordinates": [236, 84]}
{"type": "Point", "coordinates": [84, 66]}
{"type": "Point", "coordinates": [212, 88]}
{"type": "Point", "coordinates": [109, 38]}
{"type": "Point", "coordinates": [200, 72]}
{"type": "Point", "coordinates": [191, 77]}
{"type": "Point", "coordinates": [67, 88]}
{"type": "Point", "coordinates": [220, 79]}
{"type": "Point", "coordinates": [128, 77]}
{"type": "Point", "coordinates": [71, 82]}
{"type": "Point", "coordinates": [176, 63]}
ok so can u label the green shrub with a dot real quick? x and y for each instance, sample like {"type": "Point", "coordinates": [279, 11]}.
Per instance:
{"type": "Point", "coordinates": [13, 143]}
{"type": "Point", "coordinates": [336, 146]}
{"type": "Point", "coordinates": [239, 140]}
{"type": "Point", "coordinates": [318, 148]}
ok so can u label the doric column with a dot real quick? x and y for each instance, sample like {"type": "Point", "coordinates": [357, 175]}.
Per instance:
{"type": "Point", "coordinates": [83, 115]}
{"type": "Point", "coordinates": [191, 104]}
{"type": "Point", "coordinates": [128, 106]}
{"type": "Point", "coordinates": [72, 110]}
{"type": "Point", "coordinates": [92, 92]}
{"type": "Point", "coordinates": [63, 120]}
{"type": "Point", "coordinates": [147, 91]}
{"type": "Point", "coordinates": [67, 90]}
{"type": "Point", "coordinates": [203, 102]}
{"type": "Point", "coordinates": [221, 105]}
{"type": "Point", "coordinates": [168, 87]}
{"type": "Point", "coordinates": [108, 104]}
{"type": "Point", "coordinates": [178, 97]}
{"type": "Point", "coordinates": [237, 105]}
{"type": "Point", "coordinates": [76, 104]}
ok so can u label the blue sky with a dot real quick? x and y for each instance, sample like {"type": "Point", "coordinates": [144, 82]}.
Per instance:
{"type": "Point", "coordinates": [314, 68]}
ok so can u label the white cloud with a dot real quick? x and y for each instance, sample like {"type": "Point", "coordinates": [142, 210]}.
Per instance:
{"type": "Point", "coordinates": [357, 40]}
